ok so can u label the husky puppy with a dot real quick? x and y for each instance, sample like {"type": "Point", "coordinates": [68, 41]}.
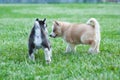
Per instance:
{"type": "Point", "coordinates": [74, 34]}
{"type": "Point", "coordinates": [39, 39]}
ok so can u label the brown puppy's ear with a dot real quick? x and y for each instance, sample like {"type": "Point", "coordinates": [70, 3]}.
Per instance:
{"type": "Point", "coordinates": [56, 22]}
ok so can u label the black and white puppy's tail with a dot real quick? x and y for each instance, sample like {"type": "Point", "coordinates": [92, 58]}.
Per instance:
{"type": "Point", "coordinates": [95, 24]}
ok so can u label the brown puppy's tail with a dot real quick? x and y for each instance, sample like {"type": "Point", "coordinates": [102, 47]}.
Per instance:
{"type": "Point", "coordinates": [93, 22]}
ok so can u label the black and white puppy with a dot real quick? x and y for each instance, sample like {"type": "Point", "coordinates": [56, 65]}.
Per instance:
{"type": "Point", "coordinates": [39, 39]}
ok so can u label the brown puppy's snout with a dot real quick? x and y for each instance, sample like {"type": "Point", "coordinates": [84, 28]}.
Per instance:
{"type": "Point", "coordinates": [53, 36]}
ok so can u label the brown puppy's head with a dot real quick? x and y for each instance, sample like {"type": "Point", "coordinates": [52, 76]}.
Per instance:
{"type": "Point", "coordinates": [56, 30]}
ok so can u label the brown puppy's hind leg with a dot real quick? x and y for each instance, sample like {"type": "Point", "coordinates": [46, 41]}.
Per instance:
{"type": "Point", "coordinates": [94, 47]}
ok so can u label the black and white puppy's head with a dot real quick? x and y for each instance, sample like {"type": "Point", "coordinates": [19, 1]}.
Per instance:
{"type": "Point", "coordinates": [41, 24]}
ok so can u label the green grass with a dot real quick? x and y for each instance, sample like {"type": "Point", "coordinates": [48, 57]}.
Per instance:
{"type": "Point", "coordinates": [16, 21]}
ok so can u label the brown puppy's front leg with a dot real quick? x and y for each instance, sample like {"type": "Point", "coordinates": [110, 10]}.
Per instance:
{"type": "Point", "coordinates": [70, 48]}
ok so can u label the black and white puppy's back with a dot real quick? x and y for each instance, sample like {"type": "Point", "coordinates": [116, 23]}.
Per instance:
{"type": "Point", "coordinates": [39, 39]}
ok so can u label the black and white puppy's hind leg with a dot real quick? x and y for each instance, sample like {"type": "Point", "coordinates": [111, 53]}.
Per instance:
{"type": "Point", "coordinates": [47, 50]}
{"type": "Point", "coordinates": [32, 50]}
{"type": "Point", "coordinates": [31, 53]}
{"type": "Point", "coordinates": [48, 55]}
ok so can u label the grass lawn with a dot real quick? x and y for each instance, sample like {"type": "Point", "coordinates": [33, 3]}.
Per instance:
{"type": "Point", "coordinates": [16, 21]}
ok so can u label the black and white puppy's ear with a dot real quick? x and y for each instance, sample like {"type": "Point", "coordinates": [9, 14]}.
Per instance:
{"type": "Point", "coordinates": [44, 20]}
{"type": "Point", "coordinates": [37, 19]}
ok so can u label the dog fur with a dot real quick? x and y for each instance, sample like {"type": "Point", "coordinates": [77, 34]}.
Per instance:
{"type": "Point", "coordinates": [39, 39]}
{"type": "Point", "coordinates": [74, 34]}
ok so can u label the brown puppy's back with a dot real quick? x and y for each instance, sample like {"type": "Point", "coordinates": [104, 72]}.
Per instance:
{"type": "Point", "coordinates": [75, 32]}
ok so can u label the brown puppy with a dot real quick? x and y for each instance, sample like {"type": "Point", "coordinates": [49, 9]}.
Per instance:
{"type": "Point", "coordinates": [75, 34]}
